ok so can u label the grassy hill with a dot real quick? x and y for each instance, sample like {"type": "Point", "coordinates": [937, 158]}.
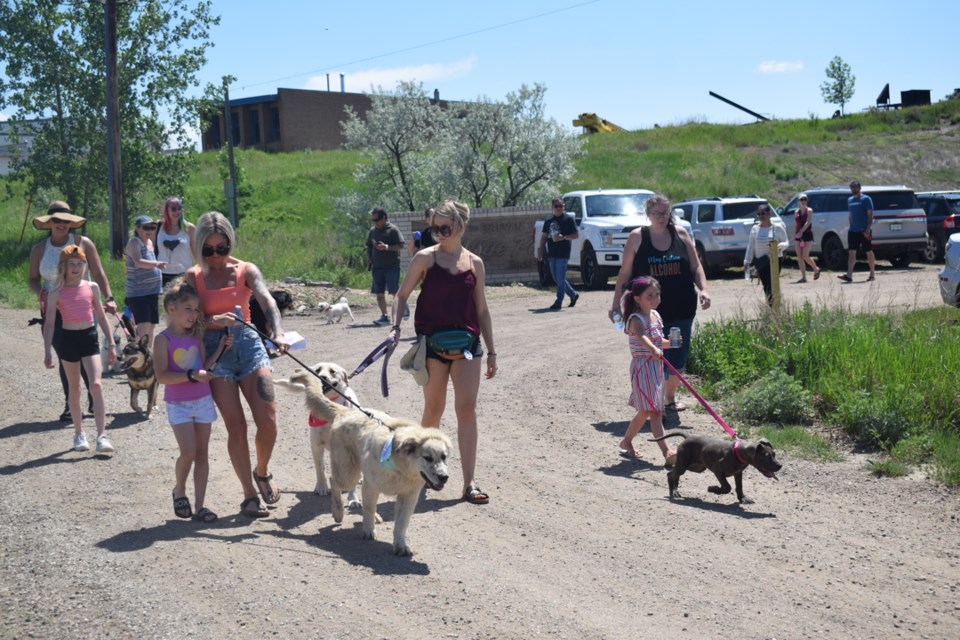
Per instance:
{"type": "Point", "coordinates": [289, 226]}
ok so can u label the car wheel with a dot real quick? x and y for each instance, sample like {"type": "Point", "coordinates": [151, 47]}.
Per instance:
{"type": "Point", "coordinates": [833, 255]}
{"type": "Point", "coordinates": [708, 270]}
{"type": "Point", "coordinates": [956, 299]}
{"type": "Point", "coordinates": [934, 250]}
{"type": "Point", "coordinates": [546, 278]}
{"type": "Point", "coordinates": [902, 260]}
{"type": "Point", "coordinates": [590, 271]}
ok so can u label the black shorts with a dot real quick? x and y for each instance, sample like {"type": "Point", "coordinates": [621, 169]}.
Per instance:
{"type": "Point", "coordinates": [475, 349]}
{"type": "Point", "coordinates": [856, 241]}
{"type": "Point", "coordinates": [145, 308]}
{"type": "Point", "coordinates": [807, 236]}
{"type": "Point", "coordinates": [76, 344]}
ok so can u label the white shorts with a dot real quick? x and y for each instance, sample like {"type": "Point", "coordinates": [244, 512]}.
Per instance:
{"type": "Point", "coordinates": [199, 410]}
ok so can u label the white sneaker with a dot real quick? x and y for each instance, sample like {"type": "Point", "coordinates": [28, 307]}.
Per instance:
{"type": "Point", "coordinates": [103, 444]}
{"type": "Point", "coordinates": [80, 442]}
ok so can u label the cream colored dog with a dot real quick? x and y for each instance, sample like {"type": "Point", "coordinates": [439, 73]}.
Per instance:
{"type": "Point", "coordinates": [396, 457]}
{"type": "Point", "coordinates": [337, 390]}
{"type": "Point", "coordinates": [335, 311]}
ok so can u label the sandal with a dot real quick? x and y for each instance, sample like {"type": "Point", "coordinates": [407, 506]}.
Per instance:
{"type": "Point", "coordinates": [263, 486]}
{"type": "Point", "coordinates": [474, 495]}
{"type": "Point", "coordinates": [675, 406]}
{"type": "Point", "coordinates": [630, 454]}
{"type": "Point", "coordinates": [205, 515]}
{"type": "Point", "coordinates": [816, 275]}
{"type": "Point", "coordinates": [181, 506]}
{"type": "Point", "coordinates": [253, 508]}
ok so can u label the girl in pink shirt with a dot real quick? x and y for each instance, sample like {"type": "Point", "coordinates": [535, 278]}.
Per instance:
{"type": "Point", "coordinates": [183, 368]}
{"type": "Point", "coordinates": [78, 301]}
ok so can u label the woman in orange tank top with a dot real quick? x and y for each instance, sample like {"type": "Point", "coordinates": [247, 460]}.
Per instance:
{"type": "Point", "coordinates": [224, 283]}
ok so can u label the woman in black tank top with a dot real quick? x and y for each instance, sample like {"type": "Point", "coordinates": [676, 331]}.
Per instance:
{"type": "Point", "coordinates": [668, 254]}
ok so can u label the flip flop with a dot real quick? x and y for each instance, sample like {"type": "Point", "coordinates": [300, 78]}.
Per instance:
{"type": "Point", "coordinates": [474, 495]}
{"type": "Point", "coordinates": [181, 506]}
{"type": "Point", "coordinates": [816, 276]}
{"type": "Point", "coordinates": [205, 515]}
{"type": "Point", "coordinates": [630, 454]}
{"type": "Point", "coordinates": [675, 406]}
{"type": "Point", "coordinates": [258, 510]}
{"type": "Point", "coordinates": [263, 486]}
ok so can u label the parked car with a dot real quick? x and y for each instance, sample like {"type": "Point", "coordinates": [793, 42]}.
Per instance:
{"type": "Point", "coordinates": [899, 224]}
{"type": "Point", "coordinates": [950, 276]}
{"type": "Point", "coordinates": [943, 210]}
{"type": "Point", "coordinates": [604, 218]}
{"type": "Point", "coordinates": [721, 228]}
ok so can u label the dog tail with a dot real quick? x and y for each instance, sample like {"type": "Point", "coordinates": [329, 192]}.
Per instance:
{"type": "Point", "coordinates": [672, 434]}
{"type": "Point", "coordinates": [318, 403]}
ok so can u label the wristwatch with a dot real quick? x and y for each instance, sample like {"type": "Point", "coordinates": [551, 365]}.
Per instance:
{"type": "Point", "coordinates": [108, 299]}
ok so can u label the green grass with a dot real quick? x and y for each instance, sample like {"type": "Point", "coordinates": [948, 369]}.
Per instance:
{"type": "Point", "coordinates": [883, 379]}
{"type": "Point", "coordinates": [799, 442]}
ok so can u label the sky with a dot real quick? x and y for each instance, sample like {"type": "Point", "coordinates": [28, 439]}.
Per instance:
{"type": "Point", "coordinates": [632, 62]}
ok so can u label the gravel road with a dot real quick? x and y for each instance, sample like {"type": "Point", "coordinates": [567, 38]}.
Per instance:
{"type": "Point", "coordinates": [576, 542]}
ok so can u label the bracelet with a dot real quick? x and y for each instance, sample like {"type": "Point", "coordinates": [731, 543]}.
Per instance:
{"type": "Point", "coordinates": [108, 299]}
{"type": "Point", "coordinates": [491, 353]}
{"type": "Point", "coordinates": [190, 376]}
{"type": "Point", "coordinates": [396, 328]}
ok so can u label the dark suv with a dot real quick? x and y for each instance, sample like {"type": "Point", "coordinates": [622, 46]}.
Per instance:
{"type": "Point", "coordinates": [943, 219]}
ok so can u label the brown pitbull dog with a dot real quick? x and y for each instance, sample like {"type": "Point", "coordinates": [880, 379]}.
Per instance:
{"type": "Point", "coordinates": [724, 458]}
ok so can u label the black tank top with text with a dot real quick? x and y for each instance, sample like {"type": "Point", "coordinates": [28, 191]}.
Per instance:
{"type": "Point", "coordinates": [671, 268]}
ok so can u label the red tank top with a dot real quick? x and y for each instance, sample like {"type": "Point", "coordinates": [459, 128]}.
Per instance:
{"type": "Point", "coordinates": [217, 301]}
{"type": "Point", "coordinates": [446, 302]}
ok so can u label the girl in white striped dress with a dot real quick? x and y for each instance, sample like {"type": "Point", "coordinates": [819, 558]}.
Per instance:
{"type": "Point", "coordinates": [645, 329]}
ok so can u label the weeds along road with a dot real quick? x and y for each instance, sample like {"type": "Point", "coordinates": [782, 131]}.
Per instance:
{"type": "Point", "coordinates": [575, 543]}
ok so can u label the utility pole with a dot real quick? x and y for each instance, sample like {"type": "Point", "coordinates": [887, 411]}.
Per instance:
{"type": "Point", "coordinates": [118, 217]}
{"type": "Point", "coordinates": [230, 188]}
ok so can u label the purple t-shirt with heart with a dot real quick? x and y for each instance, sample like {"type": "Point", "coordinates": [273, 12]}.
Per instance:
{"type": "Point", "coordinates": [183, 354]}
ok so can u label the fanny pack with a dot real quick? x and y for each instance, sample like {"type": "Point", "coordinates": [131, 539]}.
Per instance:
{"type": "Point", "coordinates": [452, 344]}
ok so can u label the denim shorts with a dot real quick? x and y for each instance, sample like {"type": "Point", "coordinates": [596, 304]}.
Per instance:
{"type": "Point", "coordinates": [245, 356]}
{"type": "Point", "coordinates": [199, 410]}
{"type": "Point", "coordinates": [678, 357]}
{"type": "Point", "coordinates": [145, 308]}
{"type": "Point", "coordinates": [386, 280]}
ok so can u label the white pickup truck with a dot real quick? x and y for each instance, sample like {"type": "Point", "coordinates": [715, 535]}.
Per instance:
{"type": "Point", "coordinates": [604, 218]}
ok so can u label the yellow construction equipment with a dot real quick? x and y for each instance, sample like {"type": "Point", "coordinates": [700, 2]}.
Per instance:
{"type": "Point", "coordinates": [592, 123]}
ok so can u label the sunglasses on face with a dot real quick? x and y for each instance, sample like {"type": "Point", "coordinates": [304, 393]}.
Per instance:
{"type": "Point", "coordinates": [148, 227]}
{"type": "Point", "coordinates": [220, 250]}
{"type": "Point", "coordinates": [58, 221]}
{"type": "Point", "coordinates": [558, 206]}
{"type": "Point", "coordinates": [444, 231]}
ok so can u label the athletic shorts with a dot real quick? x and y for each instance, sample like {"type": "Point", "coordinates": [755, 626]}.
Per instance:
{"type": "Point", "coordinates": [245, 356]}
{"type": "Point", "coordinates": [385, 280]}
{"type": "Point", "coordinates": [199, 410]}
{"type": "Point", "coordinates": [76, 344]}
{"type": "Point", "coordinates": [145, 308]}
{"type": "Point", "coordinates": [857, 241]}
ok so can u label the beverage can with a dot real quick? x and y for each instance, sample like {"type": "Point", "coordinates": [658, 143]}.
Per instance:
{"type": "Point", "coordinates": [675, 337]}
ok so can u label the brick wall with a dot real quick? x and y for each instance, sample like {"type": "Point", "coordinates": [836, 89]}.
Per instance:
{"type": "Point", "coordinates": [502, 236]}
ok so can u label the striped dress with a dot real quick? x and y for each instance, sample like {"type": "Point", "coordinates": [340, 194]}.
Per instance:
{"type": "Point", "coordinates": [646, 374]}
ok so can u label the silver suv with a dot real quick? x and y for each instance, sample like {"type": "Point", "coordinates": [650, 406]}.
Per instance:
{"type": "Point", "coordinates": [899, 224]}
{"type": "Point", "coordinates": [721, 228]}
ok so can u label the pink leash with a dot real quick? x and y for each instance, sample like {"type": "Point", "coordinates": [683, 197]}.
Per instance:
{"type": "Point", "coordinates": [720, 421]}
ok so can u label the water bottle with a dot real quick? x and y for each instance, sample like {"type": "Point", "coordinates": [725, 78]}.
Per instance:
{"type": "Point", "coordinates": [237, 327]}
{"type": "Point", "coordinates": [746, 274]}
{"type": "Point", "coordinates": [618, 320]}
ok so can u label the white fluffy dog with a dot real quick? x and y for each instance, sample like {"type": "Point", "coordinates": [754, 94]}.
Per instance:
{"type": "Point", "coordinates": [396, 457]}
{"type": "Point", "coordinates": [335, 311]}
{"type": "Point", "coordinates": [338, 390]}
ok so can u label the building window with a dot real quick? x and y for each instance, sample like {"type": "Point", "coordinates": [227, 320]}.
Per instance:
{"type": "Point", "coordinates": [235, 127]}
{"type": "Point", "coordinates": [273, 130]}
{"type": "Point", "coordinates": [253, 127]}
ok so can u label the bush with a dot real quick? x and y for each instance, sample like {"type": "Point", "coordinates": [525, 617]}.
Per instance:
{"type": "Point", "coordinates": [883, 417]}
{"type": "Point", "coordinates": [776, 398]}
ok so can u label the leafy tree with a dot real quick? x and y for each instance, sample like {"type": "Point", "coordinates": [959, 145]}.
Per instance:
{"type": "Point", "coordinates": [485, 153]}
{"type": "Point", "coordinates": [55, 79]}
{"type": "Point", "coordinates": [838, 89]}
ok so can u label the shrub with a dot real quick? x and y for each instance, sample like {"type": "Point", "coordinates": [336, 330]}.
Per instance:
{"type": "Point", "coordinates": [883, 417]}
{"type": "Point", "coordinates": [775, 398]}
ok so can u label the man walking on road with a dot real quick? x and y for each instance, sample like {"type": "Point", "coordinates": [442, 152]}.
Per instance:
{"type": "Point", "coordinates": [858, 237]}
{"type": "Point", "coordinates": [558, 230]}
{"type": "Point", "coordinates": [384, 244]}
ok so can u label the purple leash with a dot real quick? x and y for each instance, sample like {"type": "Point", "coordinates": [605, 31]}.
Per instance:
{"type": "Point", "coordinates": [385, 350]}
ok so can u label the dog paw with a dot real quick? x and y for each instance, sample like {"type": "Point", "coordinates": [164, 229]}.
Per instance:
{"type": "Point", "coordinates": [402, 550]}
{"type": "Point", "coordinates": [675, 495]}
{"type": "Point", "coordinates": [369, 535]}
{"type": "Point", "coordinates": [321, 489]}
{"type": "Point", "coordinates": [746, 500]}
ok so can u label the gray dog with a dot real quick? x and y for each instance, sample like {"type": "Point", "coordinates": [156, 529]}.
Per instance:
{"type": "Point", "coordinates": [724, 458]}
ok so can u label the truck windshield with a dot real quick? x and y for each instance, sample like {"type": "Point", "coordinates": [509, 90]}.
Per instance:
{"type": "Point", "coordinates": [616, 205]}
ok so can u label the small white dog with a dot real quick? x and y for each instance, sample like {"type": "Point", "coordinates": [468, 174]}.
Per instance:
{"type": "Point", "coordinates": [104, 352]}
{"type": "Point", "coordinates": [335, 311]}
{"type": "Point", "coordinates": [338, 388]}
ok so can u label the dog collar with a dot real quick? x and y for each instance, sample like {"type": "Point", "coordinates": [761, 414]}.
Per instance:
{"type": "Point", "coordinates": [314, 421]}
{"type": "Point", "coordinates": [386, 455]}
{"type": "Point", "coordinates": [736, 450]}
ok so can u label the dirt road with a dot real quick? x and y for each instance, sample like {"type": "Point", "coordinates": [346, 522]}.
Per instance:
{"type": "Point", "coordinates": [575, 543]}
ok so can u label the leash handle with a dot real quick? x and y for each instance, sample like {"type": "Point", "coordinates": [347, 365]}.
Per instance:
{"type": "Point", "coordinates": [122, 324]}
{"type": "Point", "coordinates": [726, 427]}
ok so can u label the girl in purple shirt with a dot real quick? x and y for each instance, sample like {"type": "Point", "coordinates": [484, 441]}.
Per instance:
{"type": "Point", "coordinates": [183, 368]}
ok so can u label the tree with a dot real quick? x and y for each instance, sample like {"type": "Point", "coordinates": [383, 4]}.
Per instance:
{"type": "Point", "coordinates": [485, 153]}
{"type": "Point", "coordinates": [55, 78]}
{"type": "Point", "coordinates": [838, 89]}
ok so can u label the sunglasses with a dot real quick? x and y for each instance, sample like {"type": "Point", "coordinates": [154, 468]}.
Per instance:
{"type": "Point", "coordinates": [444, 231]}
{"type": "Point", "coordinates": [221, 250]}
{"type": "Point", "coordinates": [558, 206]}
{"type": "Point", "coordinates": [59, 221]}
{"type": "Point", "coordinates": [148, 227]}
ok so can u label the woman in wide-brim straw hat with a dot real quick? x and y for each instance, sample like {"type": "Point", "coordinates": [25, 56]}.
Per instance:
{"type": "Point", "coordinates": [62, 223]}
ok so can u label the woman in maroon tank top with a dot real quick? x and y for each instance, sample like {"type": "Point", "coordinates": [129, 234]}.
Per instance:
{"type": "Point", "coordinates": [451, 298]}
